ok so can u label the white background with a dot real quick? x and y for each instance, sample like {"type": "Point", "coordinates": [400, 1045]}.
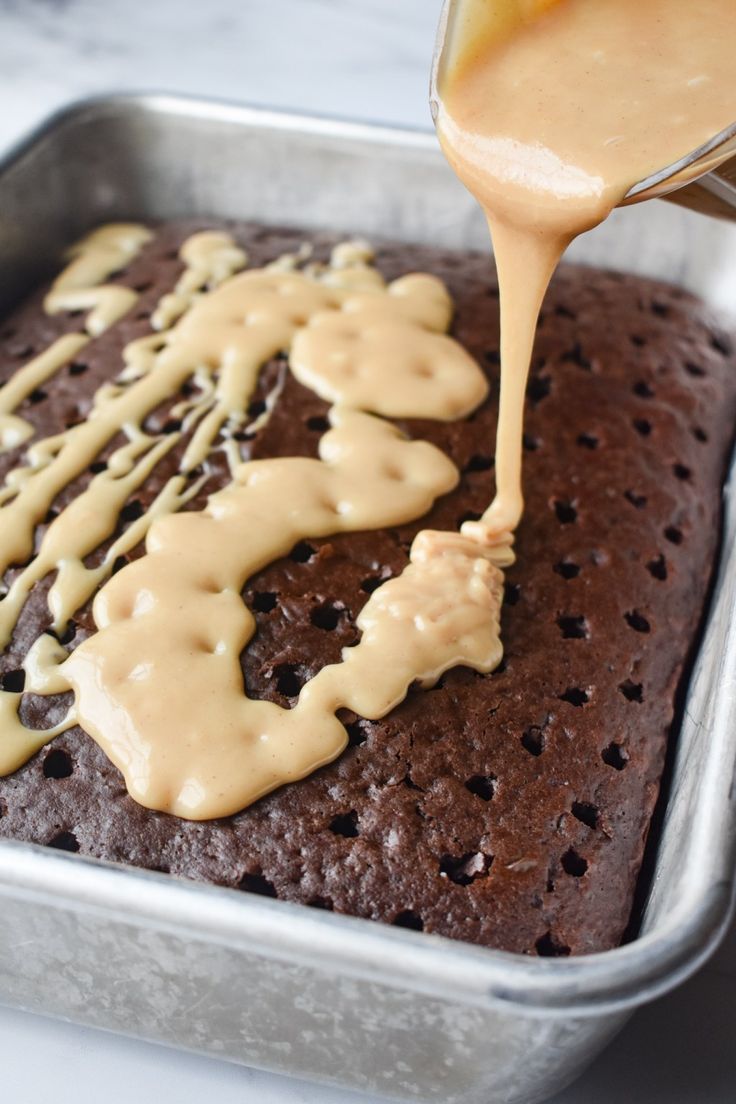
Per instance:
{"type": "Point", "coordinates": [359, 58]}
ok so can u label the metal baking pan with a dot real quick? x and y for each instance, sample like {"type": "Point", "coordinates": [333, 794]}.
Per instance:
{"type": "Point", "coordinates": [277, 985]}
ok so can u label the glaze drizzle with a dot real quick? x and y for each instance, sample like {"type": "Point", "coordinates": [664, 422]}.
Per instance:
{"type": "Point", "coordinates": [159, 685]}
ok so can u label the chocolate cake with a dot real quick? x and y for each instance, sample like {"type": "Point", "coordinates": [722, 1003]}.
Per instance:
{"type": "Point", "coordinates": [509, 810]}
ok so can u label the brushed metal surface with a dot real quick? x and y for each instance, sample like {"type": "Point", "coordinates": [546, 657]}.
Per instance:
{"type": "Point", "coordinates": [277, 985]}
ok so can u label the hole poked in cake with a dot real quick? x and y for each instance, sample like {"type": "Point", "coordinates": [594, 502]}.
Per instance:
{"type": "Point", "coordinates": [531, 443]}
{"type": "Point", "coordinates": [673, 534]}
{"type": "Point", "coordinates": [357, 733]}
{"type": "Point", "coordinates": [637, 621]}
{"type": "Point", "coordinates": [372, 582]}
{"type": "Point", "coordinates": [264, 601]}
{"type": "Point", "coordinates": [407, 918]}
{"type": "Point", "coordinates": [256, 408]}
{"type": "Point", "coordinates": [482, 785]}
{"type": "Point", "coordinates": [302, 552]}
{"type": "Point", "coordinates": [58, 763]}
{"type": "Point", "coordinates": [511, 594]}
{"type": "Point", "coordinates": [588, 441]}
{"type": "Point", "coordinates": [327, 616]}
{"type": "Point", "coordinates": [118, 564]}
{"type": "Point", "coordinates": [632, 691]}
{"type": "Point", "coordinates": [638, 501]}
{"type": "Point", "coordinates": [132, 511]}
{"type": "Point", "coordinates": [566, 510]}
{"type": "Point", "coordinates": [586, 813]}
{"type": "Point", "coordinates": [78, 368]}
{"type": "Point", "coordinates": [576, 696]}
{"type": "Point", "coordinates": [14, 681]}
{"type": "Point", "coordinates": [615, 755]}
{"type": "Point", "coordinates": [257, 883]}
{"type": "Point", "coordinates": [64, 841]}
{"type": "Point", "coordinates": [464, 870]}
{"type": "Point", "coordinates": [478, 462]}
{"type": "Point", "coordinates": [538, 389]}
{"type": "Point", "coordinates": [244, 435]}
{"type": "Point", "coordinates": [643, 390]}
{"type": "Point", "coordinates": [317, 423]}
{"type": "Point", "coordinates": [345, 824]}
{"type": "Point", "coordinates": [289, 679]}
{"type": "Point", "coordinates": [575, 355]}
{"type": "Point", "coordinates": [549, 946]}
{"type": "Point", "coordinates": [567, 569]}
{"type": "Point", "coordinates": [573, 863]}
{"type": "Point", "coordinates": [324, 903]}
{"type": "Point", "coordinates": [533, 740]}
{"type": "Point", "coordinates": [657, 568]}
{"type": "Point", "coordinates": [65, 635]}
{"type": "Point", "coordinates": [573, 627]}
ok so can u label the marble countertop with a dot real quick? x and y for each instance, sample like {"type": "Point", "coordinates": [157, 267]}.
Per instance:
{"type": "Point", "coordinates": [365, 59]}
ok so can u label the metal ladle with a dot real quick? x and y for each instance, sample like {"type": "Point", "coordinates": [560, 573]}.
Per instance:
{"type": "Point", "coordinates": [704, 179]}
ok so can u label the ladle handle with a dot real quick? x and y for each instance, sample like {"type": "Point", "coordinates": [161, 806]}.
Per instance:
{"type": "Point", "coordinates": [714, 194]}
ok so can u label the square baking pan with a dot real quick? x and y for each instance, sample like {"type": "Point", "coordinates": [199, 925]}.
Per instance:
{"type": "Point", "coordinates": [277, 985]}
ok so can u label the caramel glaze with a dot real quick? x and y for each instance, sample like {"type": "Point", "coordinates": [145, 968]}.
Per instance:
{"type": "Point", "coordinates": [79, 287]}
{"type": "Point", "coordinates": [159, 686]}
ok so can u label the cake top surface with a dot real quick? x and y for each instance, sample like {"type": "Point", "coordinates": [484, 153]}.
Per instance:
{"type": "Point", "coordinates": [509, 809]}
